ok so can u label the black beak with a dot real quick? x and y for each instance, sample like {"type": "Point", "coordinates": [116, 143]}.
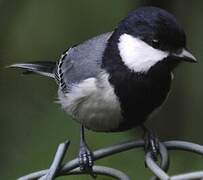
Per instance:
{"type": "Point", "coordinates": [185, 55]}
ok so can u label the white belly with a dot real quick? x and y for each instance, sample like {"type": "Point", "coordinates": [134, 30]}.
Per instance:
{"type": "Point", "coordinates": [93, 103]}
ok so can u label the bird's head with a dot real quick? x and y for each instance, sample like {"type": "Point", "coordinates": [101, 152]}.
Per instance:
{"type": "Point", "coordinates": [150, 35]}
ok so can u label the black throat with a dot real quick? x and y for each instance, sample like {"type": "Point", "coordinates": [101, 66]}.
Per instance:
{"type": "Point", "coordinates": [139, 93]}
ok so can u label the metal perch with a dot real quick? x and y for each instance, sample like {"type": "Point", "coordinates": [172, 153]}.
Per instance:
{"type": "Point", "coordinates": [160, 171]}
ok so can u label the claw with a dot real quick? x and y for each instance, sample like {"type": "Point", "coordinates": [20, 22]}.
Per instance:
{"type": "Point", "coordinates": [151, 143]}
{"type": "Point", "coordinates": [86, 160]}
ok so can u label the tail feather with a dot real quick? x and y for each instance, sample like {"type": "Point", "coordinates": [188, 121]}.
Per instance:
{"type": "Point", "coordinates": [45, 68]}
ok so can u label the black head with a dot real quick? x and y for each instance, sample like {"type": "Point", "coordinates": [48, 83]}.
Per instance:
{"type": "Point", "coordinates": [156, 27]}
{"type": "Point", "coordinates": [150, 35]}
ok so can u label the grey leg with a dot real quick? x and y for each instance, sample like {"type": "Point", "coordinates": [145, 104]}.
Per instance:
{"type": "Point", "coordinates": [151, 142]}
{"type": "Point", "coordinates": [85, 155]}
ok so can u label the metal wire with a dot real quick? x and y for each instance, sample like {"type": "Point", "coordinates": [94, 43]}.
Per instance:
{"type": "Point", "coordinates": [155, 168]}
{"type": "Point", "coordinates": [102, 170]}
{"type": "Point", "coordinates": [164, 165]}
{"type": "Point", "coordinates": [160, 171]}
{"type": "Point", "coordinates": [61, 151]}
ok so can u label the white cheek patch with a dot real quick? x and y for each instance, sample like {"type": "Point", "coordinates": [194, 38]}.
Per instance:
{"type": "Point", "coordinates": [138, 55]}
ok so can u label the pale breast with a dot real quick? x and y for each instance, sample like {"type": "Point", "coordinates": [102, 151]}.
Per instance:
{"type": "Point", "coordinates": [93, 103]}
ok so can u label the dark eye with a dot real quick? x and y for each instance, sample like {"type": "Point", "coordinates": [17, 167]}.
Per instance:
{"type": "Point", "coordinates": [155, 43]}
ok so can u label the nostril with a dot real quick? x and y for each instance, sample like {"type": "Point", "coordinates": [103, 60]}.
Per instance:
{"type": "Point", "coordinates": [155, 43]}
{"type": "Point", "coordinates": [179, 51]}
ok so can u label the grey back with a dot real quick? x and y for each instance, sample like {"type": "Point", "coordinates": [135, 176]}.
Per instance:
{"type": "Point", "coordinates": [82, 61]}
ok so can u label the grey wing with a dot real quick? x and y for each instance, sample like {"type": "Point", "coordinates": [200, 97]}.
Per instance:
{"type": "Point", "coordinates": [81, 62]}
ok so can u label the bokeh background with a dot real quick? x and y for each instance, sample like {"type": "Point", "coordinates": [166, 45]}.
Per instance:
{"type": "Point", "coordinates": [32, 125]}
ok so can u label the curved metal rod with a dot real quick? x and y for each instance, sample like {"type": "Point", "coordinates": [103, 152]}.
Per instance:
{"type": "Point", "coordinates": [165, 160]}
{"type": "Point", "coordinates": [164, 164]}
{"type": "Point", "coordinates": [102, 170]}
{"type": "Point", "coordinates": [177, 145]}
{"type": "Point", "coordinates": [193, 175]}
{"type": "Point", "coordinates": [60, 153]}
{"type": "Point", "coordinates": [171, 145]}
{"type": "Point", "coordinates": [98, 154]}
{"type": "Point", "coordinates": [152, 165]}
{"type": "Point", "coordinates": [185, 146]}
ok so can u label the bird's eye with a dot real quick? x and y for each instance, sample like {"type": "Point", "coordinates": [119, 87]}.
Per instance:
{"type": "Point", "coordinates": [155, 43]}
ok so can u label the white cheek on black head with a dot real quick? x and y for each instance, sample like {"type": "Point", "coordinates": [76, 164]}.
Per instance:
{"type": "Point", "coordinates": [138, 55]}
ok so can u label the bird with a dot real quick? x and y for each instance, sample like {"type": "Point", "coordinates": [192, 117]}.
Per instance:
{"type": "Point", "coordinates": [115, 81]}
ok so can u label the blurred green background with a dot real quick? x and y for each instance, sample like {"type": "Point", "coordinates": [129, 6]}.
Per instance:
{"type": "Point", "coordinates": [32, 125]}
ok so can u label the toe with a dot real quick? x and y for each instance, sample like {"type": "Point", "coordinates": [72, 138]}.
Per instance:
{"type": "Point", "coordinates": [85, 160]}
{"type": "Point", "coordinates": [152, 144]}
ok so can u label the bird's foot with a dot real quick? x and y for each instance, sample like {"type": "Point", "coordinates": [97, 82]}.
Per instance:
{"type": "Point", "coordinates": [151, 143]}
{"type": "Point", "coordinates": [85, 158]}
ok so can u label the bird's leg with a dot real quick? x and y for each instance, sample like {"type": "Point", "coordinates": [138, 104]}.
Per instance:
{"type": "Point", "coordinates": [85, 155]}
{"type": "Point", "coordinates": [151, 142]}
